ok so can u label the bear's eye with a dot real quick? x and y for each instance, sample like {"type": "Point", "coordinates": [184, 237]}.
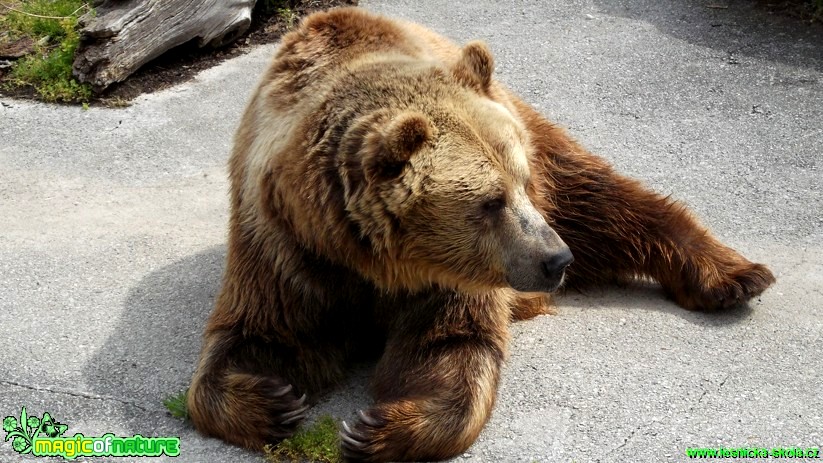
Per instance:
{"type": "Point", "coordinates": [494, 205]}
{"type": "Point", "coordinates": [392, 169]}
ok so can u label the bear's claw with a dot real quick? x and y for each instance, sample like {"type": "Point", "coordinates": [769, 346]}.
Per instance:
{"type": "Point", "coordinates": [285, 410]}
{"type": "Point", "coordinates": [295, 415]}
{"type": "Point", "coordinates": [352, 444]}
{"type": "Point", "coordinates": [357, 442]}
{"type": "Point", "coordinates": [282, 391]}
{"type": "Point", "coordinates": [367, 419]}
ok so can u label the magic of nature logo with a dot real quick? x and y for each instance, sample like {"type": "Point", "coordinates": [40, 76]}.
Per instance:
{"type": "Point", "coordinates": [43, 437]}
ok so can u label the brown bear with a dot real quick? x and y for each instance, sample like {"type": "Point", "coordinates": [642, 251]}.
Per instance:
{"type": "Point", "coordinates": [388, 195]}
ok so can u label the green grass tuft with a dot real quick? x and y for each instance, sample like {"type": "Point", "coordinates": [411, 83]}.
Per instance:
{"type": "Point", "coordinates": [288, 15]}
{"type": "Point", "coordinates": [273, 6]}
{"type": "Point", "coordinates": [176, 405]}
{"type": "Point", "coordinates": [316, 443]}
{"type": "Point", "coordinates": [48, 69]}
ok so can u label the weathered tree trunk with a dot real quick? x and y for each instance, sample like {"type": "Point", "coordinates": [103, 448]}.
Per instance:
{"type": "Point", "coordinates": [123, 35]}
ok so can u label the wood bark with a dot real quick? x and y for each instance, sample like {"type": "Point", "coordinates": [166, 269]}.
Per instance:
{"type": "Point", "coordinates": [122, 35]}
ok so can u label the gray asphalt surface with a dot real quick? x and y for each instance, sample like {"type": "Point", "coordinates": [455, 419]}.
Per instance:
{"type": "Point", "coordinates": [113, 225]}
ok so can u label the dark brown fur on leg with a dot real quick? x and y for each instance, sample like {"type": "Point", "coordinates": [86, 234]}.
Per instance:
{"type": "Point", "coordinates": [436, 383]}
{"type": "Point", "coordinates": [249, 410]}
{"type": "Point", "coordinates": [618, 229]}
{"type": "Point", "coordinates": [274, 335]}
{"type": "Point", "coordinates": [251, 392]}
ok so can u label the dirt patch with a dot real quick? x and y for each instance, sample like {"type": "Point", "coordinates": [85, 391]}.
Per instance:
{"type": "Point", "coordinates": [13, 49]}
{"type": "Point", "coordinates": [184, 62]}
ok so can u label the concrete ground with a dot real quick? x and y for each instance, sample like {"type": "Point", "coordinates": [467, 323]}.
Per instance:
{"type": "Point", "coordinates": [113, 224]}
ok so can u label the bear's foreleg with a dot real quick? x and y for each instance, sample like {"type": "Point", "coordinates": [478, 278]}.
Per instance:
{"type": "Point", "coordinates": [252, 393]}
{"type": "Point", "coordinates": [618, 229]}
{"type": "Point", "coordinates": [431, 405]}
{"type": "Point", "coordinates": [434, 387]}
{"type": "Point", "coordinates": [272, 340]}
{"type": "Point", "coordinates": [244, 408]}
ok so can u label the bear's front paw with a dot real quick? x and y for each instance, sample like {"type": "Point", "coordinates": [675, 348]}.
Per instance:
{"type": "Point", "coordinates": [409, 430]}
{"type": "Point", "coordinates": [726, 288]}
{"type": "Point", "coordinates": [267, 410]}
{"type": "Point", "coordinates": [245, 409]}
{"type": "Point", "coordinates": [361, 441]}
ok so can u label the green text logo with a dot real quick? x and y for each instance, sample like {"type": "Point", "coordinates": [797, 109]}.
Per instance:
{"type": "Point", "coordinates": [43, 437]}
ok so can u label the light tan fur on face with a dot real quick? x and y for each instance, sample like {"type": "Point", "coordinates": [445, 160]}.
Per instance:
{"type": "Point", "coordinates": [513, 142]}
{"type": "Point", "coordinates": [480, 156]}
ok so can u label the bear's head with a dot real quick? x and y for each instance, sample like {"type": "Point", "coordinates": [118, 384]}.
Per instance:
{"type": "Point", "coordinates": [436, 182]}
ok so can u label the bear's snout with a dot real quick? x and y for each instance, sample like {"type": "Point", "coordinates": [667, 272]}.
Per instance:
{"type": "Point", "coordinates": [555, 266]}
{"type": "Point", "coordinates": [537, 260]}
{"type": "Point", "coordinates": [541, 270]}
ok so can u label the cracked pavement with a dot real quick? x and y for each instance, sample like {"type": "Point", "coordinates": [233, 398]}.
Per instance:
{"type": "Point", "coordinates": [114, 223]}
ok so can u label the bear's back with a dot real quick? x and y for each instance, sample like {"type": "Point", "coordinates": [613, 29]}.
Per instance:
{"type": "Point", "coordinates": [325, 44]}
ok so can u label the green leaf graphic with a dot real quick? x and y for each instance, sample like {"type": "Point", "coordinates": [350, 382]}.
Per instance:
{"type": "Point", "coordinates": [18, 431]}
{"type": "Point", "coordinates": [23, 417]}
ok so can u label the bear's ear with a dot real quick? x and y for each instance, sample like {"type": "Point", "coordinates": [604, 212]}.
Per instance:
{"type": "Point", "coordinates": [475, 66]}
{"type": "Point", "coordinates": [399, 139]}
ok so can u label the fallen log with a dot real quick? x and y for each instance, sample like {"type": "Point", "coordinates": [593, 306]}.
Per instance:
{"type": "Point", "coordinates": [122, 35]}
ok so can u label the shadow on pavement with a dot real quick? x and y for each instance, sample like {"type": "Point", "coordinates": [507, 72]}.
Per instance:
{"type": "Point", "coordinates": [649, 296]}
{"type": "Point", "coordinates": [152, 351]}
{"type": "Point", "coordinates": [742, 28]}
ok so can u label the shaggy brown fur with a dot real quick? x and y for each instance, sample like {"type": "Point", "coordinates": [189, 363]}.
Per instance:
{"type": "Point", "coordinates": [385, 197]}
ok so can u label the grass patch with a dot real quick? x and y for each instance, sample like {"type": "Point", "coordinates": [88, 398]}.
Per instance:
{"type": "Point", "coordinates": [52, 25]}
{"type": "Point", "coordinates": [176, 404]}
{"type": "Point", "coordinates": [288, 15]}
{"type": "Point", "coordinates": [316, 443]}
{"type": "Point", "coordinates": [272, 6]}
{"type": "Point", "coordinates": [283, 9]}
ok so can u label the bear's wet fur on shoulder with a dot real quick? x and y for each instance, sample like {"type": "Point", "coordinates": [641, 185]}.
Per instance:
{"type": "Point", "coordinates": [389, 197]}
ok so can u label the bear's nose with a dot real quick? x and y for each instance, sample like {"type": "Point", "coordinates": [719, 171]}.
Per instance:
{"type": "Point", "coordinates": [557, 263]}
